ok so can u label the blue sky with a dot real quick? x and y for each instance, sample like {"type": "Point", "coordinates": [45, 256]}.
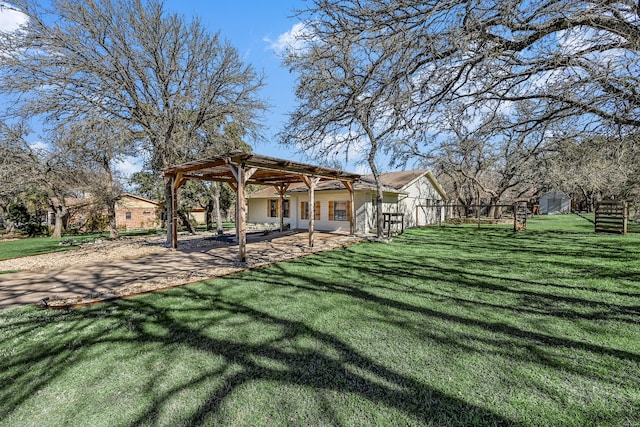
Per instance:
{"type": "Point", "coordinates": [255, 28]}
{"type": "Point", "coordinates": [258, 29]}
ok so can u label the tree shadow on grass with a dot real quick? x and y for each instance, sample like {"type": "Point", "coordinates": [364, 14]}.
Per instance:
{"type": "Point", "coordinates": [244, 334]}
{"type": "Point", "coordinates": [547, 297]}
{"type": "Point", "coordinates": [360, 293]}
{"type": "Point", "coordinates": [332, 368]}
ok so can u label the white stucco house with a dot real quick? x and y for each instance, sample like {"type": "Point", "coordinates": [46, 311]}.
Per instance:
{"type": "Point", "coordinates": [413, 193]}
{"type": "Point", "coordinates": [555, 202]}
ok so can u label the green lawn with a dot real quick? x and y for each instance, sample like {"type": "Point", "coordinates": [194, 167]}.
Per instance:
{"type": "Point", "coordinates": [31, 246]}
{"type": "Point", "coordinates": [443, 326]}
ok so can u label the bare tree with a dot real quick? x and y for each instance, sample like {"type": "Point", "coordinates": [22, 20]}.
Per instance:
{"type": "Point", "coordinates": [572, 58]}
{"type": "Point", "coordinates": [594, 168]}
{"type": "Point", "coordinates": [528, 72]}
{"type": "Point", "coordinates": [96, 145]}
{"type": "Point", "coordinates": [50, 170]}
{"type": "Point", "coordinates": [131, 62]}
{"type": "Point", "coordinates": [348, 105]}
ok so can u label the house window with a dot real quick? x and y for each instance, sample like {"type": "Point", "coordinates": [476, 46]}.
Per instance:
{"type": "Point", "coordinates": [272, 208]}
{"type": "Point", "coordinates": [127, 215]}
{"type": "Point", "coordinates": [285, 208]}
{"type": "Point", "coordinates": [304, 210]}
{"type": "Point", "coordinates": [339, 211]}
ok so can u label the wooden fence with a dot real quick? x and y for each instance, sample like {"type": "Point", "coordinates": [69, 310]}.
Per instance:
{"type": "Point", "coordinates": [611, 217]}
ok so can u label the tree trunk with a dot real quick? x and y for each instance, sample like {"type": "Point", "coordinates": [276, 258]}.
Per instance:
{"type": "Point", "coordinates": [10, 226]}
{"type": "Point", "coordinates": [185, 221]}
{"type": "Point", "coordinates": [61, 214]}
{"type": "Point", "coordinates": [379, 199]}
{"type": "Point", "coordinates": [111, 198]}
{"type": "Point", "coordinates": [111, 214]}
{"type": "Point", "coordinates": [208, 215]}
{"type": "Point", "coordinates": [494, 211]}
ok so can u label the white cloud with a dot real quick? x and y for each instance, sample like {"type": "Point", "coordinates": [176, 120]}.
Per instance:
{"type": "Point", "coordinates": [294, 39]}
{"type": "Point", "coordinates": [39, 146]}
{"type": "Point", "coordinates": [129, 165]}
{"type": "Point", "coordinates": [10, 18]}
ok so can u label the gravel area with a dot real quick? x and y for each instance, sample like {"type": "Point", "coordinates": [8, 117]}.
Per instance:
{"type": "Point", "coordinates": [120, 264]}
{"type": "Point", "coordinates": [90, 253]}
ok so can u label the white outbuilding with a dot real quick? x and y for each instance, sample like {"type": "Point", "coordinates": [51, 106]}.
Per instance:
{"type": "Point", "coordinates": [555, 202]}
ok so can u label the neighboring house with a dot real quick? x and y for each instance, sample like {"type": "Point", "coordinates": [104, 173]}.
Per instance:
{"type": "Point", "coordinates": [135, 212]}
{"type": "Point", "coordinates": [555, 202]}
{"type": "Point", "coordinates": [132, 212]}
{"type": "Point", "coordinates": [198, 215]}
{"type": "Point", "coordinates": [408, 192]}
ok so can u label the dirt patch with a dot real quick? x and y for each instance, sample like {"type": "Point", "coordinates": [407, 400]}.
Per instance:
{"type": "Point", "coordinates": [89, 253]}
{"type": "Point", "coordinates": [108, 269]}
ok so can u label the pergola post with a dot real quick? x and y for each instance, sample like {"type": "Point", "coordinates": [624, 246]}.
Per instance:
{"type": "Point", "coordinates": [352, 207]}
{"type": "Point", "coordinates": [241, 175]}
{"type": "Point", "coordinates": [311, 184]}
{"type": "Point", "coordinates": [282, 190]}
{"type": "Point", "coordinates": [176, 182]}
{"type": "Point", "coordinates": [174, 214]}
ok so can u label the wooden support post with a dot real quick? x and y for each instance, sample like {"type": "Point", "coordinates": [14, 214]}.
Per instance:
{"type": "Point", "coordinates": [242, 216]}
{"type": "Point", "coordinates": [311, 184]}
{"type": "Point", "coordinates": [352, 206]}
{"type": "Point", "coordinates": [282, 190]}
{"type": "Point", "coordinates": [242, 176]}
{"type": "Point", "coordinates": [174, 213]}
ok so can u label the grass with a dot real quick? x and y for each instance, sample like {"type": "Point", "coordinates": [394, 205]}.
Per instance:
{"type": "Point", "coordinates": [443, 326]}
{"type": "Point", "coordinates": [31, 246]}
{"type": "Point", "coordinates": [225, 225]}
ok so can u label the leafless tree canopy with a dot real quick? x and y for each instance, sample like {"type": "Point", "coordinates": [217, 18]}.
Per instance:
{"type": "Point", "coordinates": [571, 58]}
{"type": "Point", "coordinates": [28, 170]}
{"type": "Point", "coordinates": [481, 88]}
{"type": "Point", "coordinates": [128, 61]}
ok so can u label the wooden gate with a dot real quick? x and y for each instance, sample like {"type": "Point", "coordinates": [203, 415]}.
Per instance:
{"type": "Point", "coordinates": [611, 217]}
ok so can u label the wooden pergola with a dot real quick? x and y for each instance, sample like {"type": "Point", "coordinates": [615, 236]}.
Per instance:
{"type": "Point", "coordinates": [238, 169]}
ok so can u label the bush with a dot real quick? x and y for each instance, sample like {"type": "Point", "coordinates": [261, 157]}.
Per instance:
{"type": "Point", "coordinates": [24, 221]}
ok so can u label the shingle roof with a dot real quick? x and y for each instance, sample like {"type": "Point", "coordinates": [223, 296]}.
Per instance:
{"type": "Point", "coordinates": [399, 179]}
{"type": "Point", "coordinates": [393, 182]}
{"type": "Point", "coordinates": [362, 184]}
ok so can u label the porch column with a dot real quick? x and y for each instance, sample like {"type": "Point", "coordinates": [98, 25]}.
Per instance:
{"type": "Point", "coordinates": [352, 207]}
{"type": "Point", "coordinates": [282, 190]}
{"type": "Point", "coordinates": [311, 184]}
{"type": "Point", "coordinates": [241, 175]}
